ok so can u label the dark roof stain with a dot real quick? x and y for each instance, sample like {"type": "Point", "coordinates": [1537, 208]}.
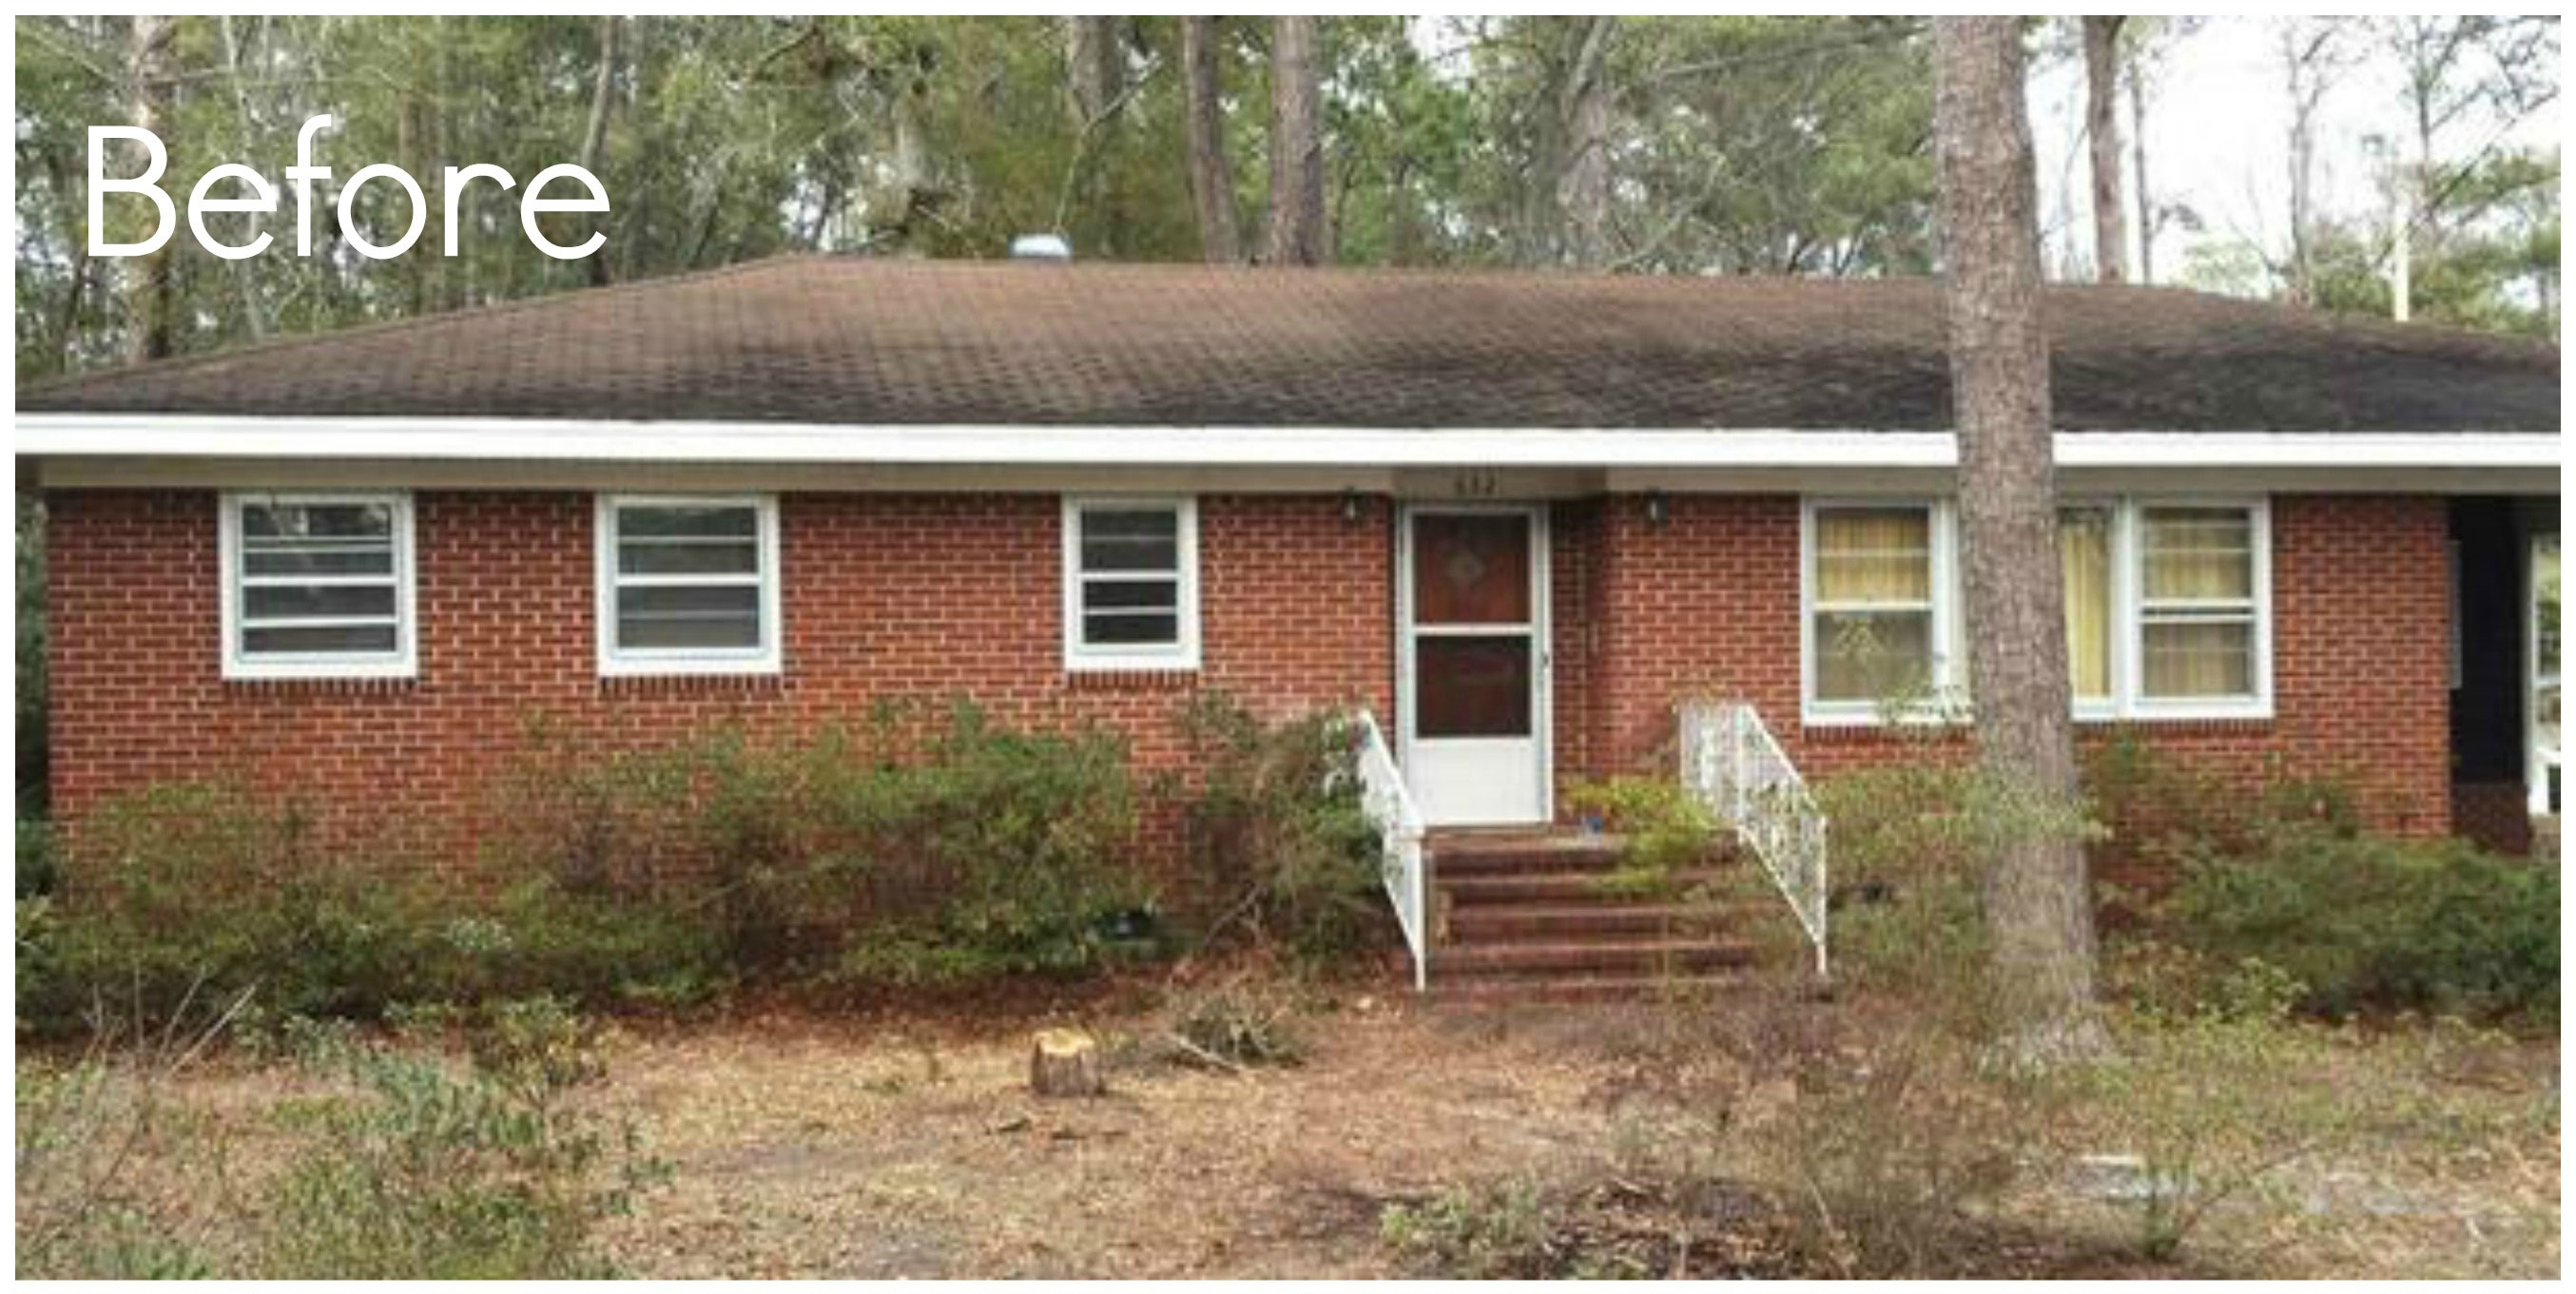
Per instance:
{"type": "Point", "coordinates": [819, 339]}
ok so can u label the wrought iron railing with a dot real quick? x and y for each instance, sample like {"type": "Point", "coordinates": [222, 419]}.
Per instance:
{"type": "Point", "coordinates": [1735, 766]}
{"type": "Point", "coordinates": [1401, 865]}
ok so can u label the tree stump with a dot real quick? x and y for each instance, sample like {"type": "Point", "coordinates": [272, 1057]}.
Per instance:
{"type": "Point", "coordinates": [1065, 1062]}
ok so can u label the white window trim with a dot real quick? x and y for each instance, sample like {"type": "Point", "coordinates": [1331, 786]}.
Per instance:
{"type": "Point", "coordinates": [1083, 658]}
{"type": "Point", "coordinates": [2131, 664]}
{"type": "Point", "coordinates": [667, 662]}
{"type": "Point", "coordinates": [1945, 688]}
{"type": "Point", "coordinates": [1950, 688]}
{"type": "Point", "coordinates": [404, 662]}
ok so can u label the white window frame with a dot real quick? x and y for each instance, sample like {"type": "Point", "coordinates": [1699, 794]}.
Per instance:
{"type": "Point", "coordinates": [402, 663]}
{"type": "Point", "coordinates": [1949, 684]}
{"type": "Point", "coordinates": [2134, 701]}
{"type": "Point", "coordinates": [650, 662]}
{"type": "Point", "coordinates": [1080, 657]}
{"type": "Point", "coordinates": [1944, 686]}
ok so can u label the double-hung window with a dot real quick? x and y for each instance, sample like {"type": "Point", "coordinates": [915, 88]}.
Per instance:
{"type": "Point", "coordinates": [317, 585]}
{"type": "Point", "coordinates": [1877, 618]}
{"type": "Point", "coordinates": [2168, 607]}
{"type": "Point", "coordinates": [2200, 629]}
{"type": "Point", "coordinates": [1131, 598]}
{"type": "Point", "coordinates": [688, 585]}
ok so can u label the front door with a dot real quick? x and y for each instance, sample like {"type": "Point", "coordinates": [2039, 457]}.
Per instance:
{"type": "Point", "coordinates": [1472, 603]}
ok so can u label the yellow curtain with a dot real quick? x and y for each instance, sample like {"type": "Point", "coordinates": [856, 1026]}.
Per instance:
{"type": "Point", "coordinates": [1873, 555]}
{"type": "Point", "coordinates": [2084, 549]}
{"type": "Point", "coordinates": [2199, 553]}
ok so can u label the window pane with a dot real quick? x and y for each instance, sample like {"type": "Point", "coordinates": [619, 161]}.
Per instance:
{"type": "Point", "coordinates": [1132, 595]}
{"type": "Point", "coordinates": [1873, 555]}
{"type": "Point", "coordinates": [1471, 569]}
{"type": "Point", "coordinates": [1131, 539]}
{"type": "Point", "coordinates": [266, 640]}
{"type": "Point", "coordinates": [2084, 550]}
{"type": "Point", "coordinates": [688, 521]}
{"type": "Point", "coordinates": [2198, 554]}
{"type": "Point", "coordinates": [725, 616]}
{"type": "Point", "coordinates": [316, 520]}
{"type": "Point", "coordinates": [273, 557]}
{"type": "Point", "coordinates": [313, 602]}
{"type": "Point", "coordinates": [1472, 687]}
{"type": "Point", "coordinates": [2188, 658]}
{"type": "Point", "coordinates": [688, 557]}
{"type": "Point", "coordinates": [1872, 656]}
{"type": "Point", "coordinates": [1129, 629]}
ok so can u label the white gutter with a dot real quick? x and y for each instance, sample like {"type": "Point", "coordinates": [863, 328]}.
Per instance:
{"type": "Point", "coordinates": [535, 440]}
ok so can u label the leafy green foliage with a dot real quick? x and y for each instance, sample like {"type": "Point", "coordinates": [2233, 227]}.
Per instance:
{"type": "Point", "coordinates": [2368, 922]}
{"type": "Point", "coordinates": [1666, 828]}
{"type": "Point", "coordinates": [1277, 827]}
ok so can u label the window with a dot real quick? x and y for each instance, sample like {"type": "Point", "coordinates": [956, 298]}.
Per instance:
{"type": "Point", "coordinates": [2167, 608]}
{"type": "Point", "coordinates": [1131, 596]}
{"type": "Point", "coordinates": [2198, 617]}
{"type": "Point", "coordinates": [317, 586]}
{"type": "Point", "coordinates": [688, 585]}
{"type": "Point", "coordinates": [2084, 552]}
{"type": "Point", "coordinates": [1877, 621]}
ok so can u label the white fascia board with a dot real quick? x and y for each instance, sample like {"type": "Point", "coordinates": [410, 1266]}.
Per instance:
{"type": "Point", "coordinates": [546, 440]}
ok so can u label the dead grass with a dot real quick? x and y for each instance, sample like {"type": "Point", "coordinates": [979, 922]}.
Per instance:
{"type": "Point", "coordinates": [907, 1145]}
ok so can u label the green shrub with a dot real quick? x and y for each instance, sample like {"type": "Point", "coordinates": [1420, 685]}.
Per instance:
{"type": "Point", "coordinates": [904, 851]}
{"type": "Point", "coordinates": [187, 891]}
{"type": "Point", "coordinates": [2369, 922]}
{"type": "Point", "coordinates": [1277, 827]}
{"type": "Point", "coordinates": [36, 866]}
{"type": "Point", "coordinates": [1666, 828]}
{"type": "Point", "coordinates": [416, 1170]}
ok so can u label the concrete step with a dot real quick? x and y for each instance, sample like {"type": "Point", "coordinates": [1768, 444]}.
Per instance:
{"type": "Point", "coordinates": [1554, 887]}
{"type": "Point", "coordinates": [1584, 959]}
{"type": "Point", "coordinates": [1504, 922]}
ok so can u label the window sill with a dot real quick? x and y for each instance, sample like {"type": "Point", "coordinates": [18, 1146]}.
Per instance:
{"type": "Point", "coordinates": [1160, 678]}
{"type": "Point", "coordinates": [636, 684]}
{"type": "Point", "coordinates": [328, 683]}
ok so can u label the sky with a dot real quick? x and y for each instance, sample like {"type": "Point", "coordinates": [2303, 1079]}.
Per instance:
{"type": "Point", "coordinates": [2218, 140]}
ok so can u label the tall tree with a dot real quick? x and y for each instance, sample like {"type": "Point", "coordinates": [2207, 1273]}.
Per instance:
{"type": "Point", "coordinates": [1296, 232]}
{"type": "Point", "coordinates": [2037, 897]}
{"type": "Point", "coordinates": [594, 140]}
{"type": "Point", "coordinates": [1583, 173]}
{"type": "Point", "coordinates": [1211, 175]}
{"type": "Point", "coordinates": [2102, 135]}
{"type": "Point", "coordinates": [151, 305]}
{"type": "Point", "coordinates": [2312, 56]}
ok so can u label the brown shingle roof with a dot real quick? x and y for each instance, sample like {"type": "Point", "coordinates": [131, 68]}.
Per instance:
{"type": "Point", "coordinates": [835, 340]}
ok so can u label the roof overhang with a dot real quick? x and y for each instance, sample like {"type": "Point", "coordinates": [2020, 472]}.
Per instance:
{"type": "Point", "coordinates": [544, 450]}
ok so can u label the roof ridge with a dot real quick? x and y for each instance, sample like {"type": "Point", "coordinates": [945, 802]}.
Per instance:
{"type": "Point", "coordinates": [379, 327]}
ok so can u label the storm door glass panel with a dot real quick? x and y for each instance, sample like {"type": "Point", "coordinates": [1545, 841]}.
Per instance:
{"type": "Point", "coordinates": [1471, 569]}
{"type": "Point", "coordinates": [1473, 651]}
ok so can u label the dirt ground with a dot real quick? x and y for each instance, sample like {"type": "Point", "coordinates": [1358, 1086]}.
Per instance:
{"type": "Point", "coordinates": [912, 1149]}
{"type": "Point", "coordinates": [907, 1144]}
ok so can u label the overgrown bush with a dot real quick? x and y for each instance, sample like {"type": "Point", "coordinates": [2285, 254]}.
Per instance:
{"type": "Point", "coordinates": [2368, 922]}
{"type": "Point", "coordinates": [903, 851]}
{"type": "Point", "coordinates": [1277, 826]}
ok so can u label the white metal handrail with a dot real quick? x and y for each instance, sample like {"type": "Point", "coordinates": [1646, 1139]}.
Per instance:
{"type": "Point", "coordinates": [1730, 760]}
{"type": "Point", "coordinates": [1391, 810]}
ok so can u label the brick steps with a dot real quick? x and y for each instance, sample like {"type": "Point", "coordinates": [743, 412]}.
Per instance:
{"type": "Point", "coordinates": [1526, 917]}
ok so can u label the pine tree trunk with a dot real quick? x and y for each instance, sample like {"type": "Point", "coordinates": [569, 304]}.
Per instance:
{"type": "Point", "coordinates": [1296, 145]}
{"type": "Point", "coordinates": [2145, 203]}
{"type": "Point", "coordinates": [148, 308]}
{"type": "Point", "coordinates": [1583, 183]}
{"type": "Point", "coordinates": [2102, 130]}
{"type": "Point", "coordinates": [2037, 897]}
{"type": "Point", "coordinates": [1211, 175]}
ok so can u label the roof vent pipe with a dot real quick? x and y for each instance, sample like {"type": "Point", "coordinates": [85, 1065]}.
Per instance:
{"type": "Point", "coordinates": [1041, 247]}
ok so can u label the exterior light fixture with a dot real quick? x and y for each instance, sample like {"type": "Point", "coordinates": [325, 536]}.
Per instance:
{"type": "Point", "coordinates": [1350, 505]}
{"type": "Point", "coordinates": [1658, 511]}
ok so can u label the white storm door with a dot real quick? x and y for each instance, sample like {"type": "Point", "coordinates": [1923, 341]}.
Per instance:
{"type": "Point", "coordinates": [1472, 605]}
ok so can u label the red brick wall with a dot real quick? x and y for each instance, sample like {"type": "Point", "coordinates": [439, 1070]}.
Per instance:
{"type": "Point", "coordinates": [885, 596]}
{"type": "Point", "coordinates": [1708, 603]}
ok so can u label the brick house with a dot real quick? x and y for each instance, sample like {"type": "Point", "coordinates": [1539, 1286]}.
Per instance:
{"type": "Point", "coordinates": [1518, 518]}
